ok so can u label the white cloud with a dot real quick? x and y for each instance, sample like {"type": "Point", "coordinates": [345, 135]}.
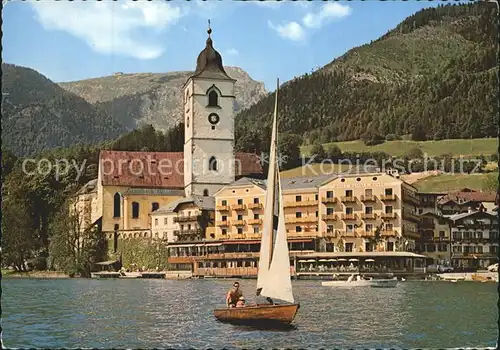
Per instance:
{"type": "Point", "coordinates": [112, 28]}
{"type": "Point", "coordinates": [267, 3]}
{"type": "Point", "coordinates": [232, 52]}
{"type": "Point", "coordinates": [329, 11]}
{"type": "Point", "coordinates": [291, 30]}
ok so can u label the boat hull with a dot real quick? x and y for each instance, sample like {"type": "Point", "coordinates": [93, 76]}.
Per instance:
{"type": "Point", "coordinates": [384, 283]}
{"type": "Point", "coordinates": [259, 315]}
{"type": "Point", "coordinates": [362, 283]}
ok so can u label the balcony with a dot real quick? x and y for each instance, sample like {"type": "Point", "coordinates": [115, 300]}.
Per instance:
{"type": "Point", "coordinates": [303, 234]}
{"type": "Point", "coordinates": [388, 197]}
{"type": "Point", "coordinates": [348, 199]}
{"type": "Point", "coordinates": [366, 233]}
{"type": "Point", "coordinates": [329, 217]}
{"type": "Point", "coordinates": [301, 204]}
{"type": "Point", "coordinates": [223, 208]}
{"type": "Point", "coordinates": [188, 232]}
{"type": "Point", "coordinates": [391, 233]}
{"type": "Point", "coordinates": [255, 221]}
{"type": "Point", "coordinates": [301, 220]}
{"type": "Point", "coordinates": [187, 218]}
{"type": "Point", "coordinates": [368, 216]}
{"type": "Point", "coordinates": [239, 207]}
{"type": "Point", "coordinates": [222, 223]}
{"type": "Point", "coordinates": [239, 223]}
{"type": "Point", "coordinates": [329, 200]}
{"type": "Point", "coordinates": [386, 216]}
{"type": "Point", "coordinates": [329, 234]}
{"type": "Point", "coordinates": [255, 206]}
{"type": "Point", "coordinates": [407, 215]}
{"type": "Point", "coordinates": [370, 198]}
{"type": "Point", "coordinates": [348, 216]}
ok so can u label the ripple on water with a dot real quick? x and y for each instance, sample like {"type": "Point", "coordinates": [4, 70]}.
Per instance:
{"type": "Point", "coordinates": [159, 313]}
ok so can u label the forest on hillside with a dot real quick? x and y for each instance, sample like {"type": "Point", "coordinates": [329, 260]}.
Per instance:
{"type": "Point", "coordinates": [352, 97]}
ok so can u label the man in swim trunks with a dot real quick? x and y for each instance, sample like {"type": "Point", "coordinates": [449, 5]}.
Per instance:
{"type": "Point", "coordinates": [233, 295]}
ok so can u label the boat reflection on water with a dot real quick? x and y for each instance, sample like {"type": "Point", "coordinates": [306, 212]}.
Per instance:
{"type": "Point", "coordinates": [268, 326]}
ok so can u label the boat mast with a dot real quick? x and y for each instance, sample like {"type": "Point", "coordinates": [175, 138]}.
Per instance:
{"type": "Point", "coordinates": [273, 159]}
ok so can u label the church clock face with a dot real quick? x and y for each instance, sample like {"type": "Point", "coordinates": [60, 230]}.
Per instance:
{"type": "Point", "coordinates": [213, 118]}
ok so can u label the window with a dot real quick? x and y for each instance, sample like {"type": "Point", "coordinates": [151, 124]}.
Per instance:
{"type": "Point", "coordinates": [368, 210]}
{"type": "Point", "coordinates": [329, 194]}
{"type": "Point", "coordinates": [154, 206]}
{"type": "Point", "coordinates": [349, 228]}
{"type": "Point", "coordinates": [388, 209]}
{"type": "Point", "coordinates": [369, 227]}
{"type": "Point", "coordinates": [135, 210]}
{"type": "Point", "coordinates": [298, 214]}
{"type": "Point", "coordinates": [224, 218]}
{"type": "Point", "coordinates": [316, 197]}
{"type": "Point", "coordinates": [420, 211]}
{"type": "Point", "coordinates": [223, 203]}
{"type": "Point", "coordinates": [212, 164]}
{"type": "Point", "coordinates": [389, 227]}
{"type": "Point", "coordinates": [329, 211]}
{"type": "Point", "coordinates": [329, 228]}
{"type": "Point", "coordinates": [494, 235]}
{"type": "Point", "coordinates": [165, 221]}
{"type": "Point", "coordinates": [240, 217]}
{"type": "Point", "coordinates": [348, 210]}
{"type": "Point", "coordinates": [205, 192]}
{"type": "Point", "coordinates": [213, 99]}
{"type": "Point", "coordinates": [348, 193]}
{"type": "Point", "coordinates": [493, 249]}
{"type": "Point", "coordinates": [298, 229]}
{"type": "Point", "coordinates": [442, 248]}
{"type": "Point", "coordinates": [240, 230]}
{"type": "Point", "coordinates": [256, 201]}
{"type": "Point", "coordinates": [256, 216]}
{"type": "Point", "coordinates": [349, 247]}
{"type": "Point", "coordinates": [479, 234]}
{"type": "Point", "coordinates": [368, 192]}
{"type": "Point", "coordinates": [317, 213]}
{"type": "Point", "coordinates": [298, 198]}
{"type": "Point", "coordinates": [457, 235]}
{"type": "Point", "coordinates": [224, 231]}
{"type": "Point", "coordinates": [156, 222]}
{"type": "Point", "coordinates": [388, 191]}
{"type": "Point", "coordinates": [256, 229]}
{"type": "Point", "coordinates": [368, 247]}
{"type": "Point", "coordinates": [441, 234]}
{"type": "Point", "coordinates": [116, 205]}
{"type": "Point", "coordinates": [240, 201]}
{"type": "Point", "coordinates": [117, 227]}
{"type": "Point", "coordinates": [390, 246]}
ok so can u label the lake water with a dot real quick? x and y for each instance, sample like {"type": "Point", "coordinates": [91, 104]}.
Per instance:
{"type": "Point", "coordinates": [70, 313]}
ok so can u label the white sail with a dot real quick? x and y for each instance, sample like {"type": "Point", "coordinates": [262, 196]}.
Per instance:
{"type": "Point", "coordinates": [266, 241]}
{"type": "Point", "coordinates": [279, 281]}
{"type": "Point", "coordinates": [274, 278]}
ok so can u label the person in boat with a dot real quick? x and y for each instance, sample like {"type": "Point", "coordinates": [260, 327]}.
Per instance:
{"type": "Point", "coordinates": [241, 302]}
{"type": "Point", "coordinates": [233, 295]}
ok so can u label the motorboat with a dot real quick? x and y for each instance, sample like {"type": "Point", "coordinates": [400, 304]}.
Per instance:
{"type": "Point", "coordinates": [352, 281]}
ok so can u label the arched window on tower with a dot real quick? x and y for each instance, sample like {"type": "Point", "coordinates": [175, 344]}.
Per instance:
{"type": "Point", "coordinates": [205, 192]}
{"type": "Point", "coordinates": [155, 206]}
{"type": "Point", "coordinates": [212, 164]}
{"type": "Point", "coordinates": [213, 98]}
{"type": "Point", "coordinates": [116, 205]}
{"type": "Point", "coordinates": [135, 210]}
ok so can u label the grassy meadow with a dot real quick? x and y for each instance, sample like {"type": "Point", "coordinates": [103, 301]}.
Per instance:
{"type": "Point", "coordinates": [457, 147]}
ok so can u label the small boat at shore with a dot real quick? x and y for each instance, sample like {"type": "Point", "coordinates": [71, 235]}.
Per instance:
{"type": "Point", "coordinates": [273, 278]}
{"type": "Point", "coordinates": [352, 281]}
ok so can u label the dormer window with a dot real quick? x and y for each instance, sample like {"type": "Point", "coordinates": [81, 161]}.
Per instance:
{"type": "Point", "coordinates": [213, 99]}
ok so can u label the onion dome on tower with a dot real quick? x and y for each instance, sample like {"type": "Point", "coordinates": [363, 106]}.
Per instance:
{"type": "Point", "coordinates": [209, 62]}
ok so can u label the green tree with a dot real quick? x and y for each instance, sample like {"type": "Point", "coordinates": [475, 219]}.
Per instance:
{"type": "Point", "coordinates": [418, 133]}
{"type": "Point", "coordinates": [289, 150]}
{"type": "Point", "coordinates": [334, 153]}
{"type": "Point", "coordinates": [318, 152]}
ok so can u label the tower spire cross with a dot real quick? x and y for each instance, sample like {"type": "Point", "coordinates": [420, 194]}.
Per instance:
{"type": "Point", "coordinates": [209, 31]}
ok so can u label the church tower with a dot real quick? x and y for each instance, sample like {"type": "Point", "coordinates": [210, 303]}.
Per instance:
{"type": "Point", "coordinates": [209, 125]}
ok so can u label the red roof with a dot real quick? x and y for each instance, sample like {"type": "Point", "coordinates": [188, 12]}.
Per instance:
{"type": "Point", "coordinates": [158, 169]}
{"type": "Point", "coordinates": [467, 195]}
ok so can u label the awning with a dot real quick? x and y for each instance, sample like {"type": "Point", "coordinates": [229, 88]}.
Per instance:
{"type": "Point", "coordinates": [242, 242]}
{"type": "Point", "coordinates": [311, 260]}
{"type": "Point", "coordinates": [341, 259]}
{"type": "Point", "coordinates": [302, 260]}
{"type": "Point", "coordinates": [332, 260]}
{"type": "Point", "coordinates": [291, 240]}
{"type": "Point", "coordinates": [323, 260]}
{"type": "Point", "coordinates": [369, 260]}
{"type": "Point", "coordinates": [353, 260]}
{"type": "Point", "coordinates": [109, 262]}
{"type": "Point", "coordinates": [212, 245]}
{"type": "Point", "coordinates": [181, 246]}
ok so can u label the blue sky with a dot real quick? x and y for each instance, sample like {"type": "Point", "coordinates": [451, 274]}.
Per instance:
{"type": "Point", "coordinates": [69, 41]}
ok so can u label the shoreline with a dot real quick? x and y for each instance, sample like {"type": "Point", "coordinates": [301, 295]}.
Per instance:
{"type": "Point", "coordinates": [35, 274]}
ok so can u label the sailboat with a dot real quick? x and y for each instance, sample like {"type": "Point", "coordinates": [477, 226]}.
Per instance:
{"type": "Point", "coordinates": [274, 280]}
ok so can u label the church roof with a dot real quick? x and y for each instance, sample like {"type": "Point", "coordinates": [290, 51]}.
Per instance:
{"type": "Point", "coordinates": [158, 169]}
{"type": "Point", "coordinates": [209, 62]}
